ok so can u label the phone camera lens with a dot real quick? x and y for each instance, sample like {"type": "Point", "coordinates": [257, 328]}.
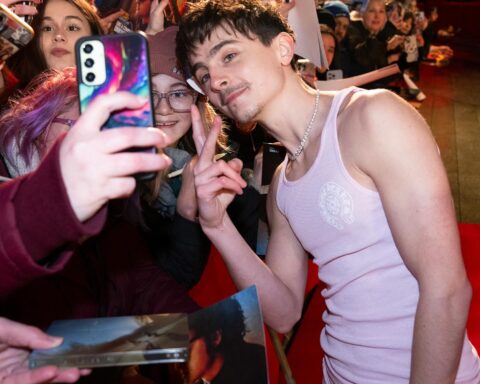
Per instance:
{"type": "Point", "coordinates": [87, 48]}
{"type": "Point", "coordinates": [90, 76]}
{"type": "Point", "coordinates": [89, 63]}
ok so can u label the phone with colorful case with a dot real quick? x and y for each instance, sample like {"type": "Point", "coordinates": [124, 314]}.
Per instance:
{"type": "Point", "coordinates": [111, 63]}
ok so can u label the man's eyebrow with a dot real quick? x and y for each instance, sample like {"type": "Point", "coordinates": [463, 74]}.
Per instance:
{"type": "Point", "coordinates": [219, 46]}
{"type": "Point", "coordinates": [212, 53]}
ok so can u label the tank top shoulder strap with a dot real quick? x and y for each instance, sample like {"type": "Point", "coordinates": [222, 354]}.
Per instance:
{"type": "Point", "coordinates": [329, 129]}
{"type": "Point", "coordinates": [329, 135]}
{"type": "Point", "coordinates": [337, 103]}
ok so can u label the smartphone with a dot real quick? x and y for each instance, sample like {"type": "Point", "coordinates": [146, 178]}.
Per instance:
{"type": "Point", "coordinates": [14, 33]}
{"type": "Point", "coordinates": [119, 62]}
{"type": "Point", "coordinates": [334, 74]}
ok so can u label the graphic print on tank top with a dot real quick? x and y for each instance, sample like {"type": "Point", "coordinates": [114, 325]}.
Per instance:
{"type": "Point", "coordinates": [336, 205]}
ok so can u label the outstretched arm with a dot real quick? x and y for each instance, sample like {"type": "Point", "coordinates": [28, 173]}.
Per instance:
{"type": "Point", "coordinates": [84, 170]}
{"type": "Point", "coordinates": [281, 280]}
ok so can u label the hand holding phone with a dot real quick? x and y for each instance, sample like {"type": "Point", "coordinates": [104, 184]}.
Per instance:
{"type": "Point", "coordinates": [95, 166]}
{"type": "Point", "coordinates": [110, 63]}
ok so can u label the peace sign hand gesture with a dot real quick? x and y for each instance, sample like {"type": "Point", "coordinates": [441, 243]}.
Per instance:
{"type": "Point", "coordinates": [216, 182]}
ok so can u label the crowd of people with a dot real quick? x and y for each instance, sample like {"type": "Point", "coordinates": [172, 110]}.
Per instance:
{"type": "Point", "coordinates": [360, 37]}
{"type": "Point", "coordinates": [81, 237]}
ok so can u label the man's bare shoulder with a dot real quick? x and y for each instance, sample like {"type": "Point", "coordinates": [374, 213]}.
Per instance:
{"type": "Point", "coordinates": [379, 113]}
{"type": "Point", "coordinates": [377, 126]}
{"type": "Point", "coordinates": [371, 105]}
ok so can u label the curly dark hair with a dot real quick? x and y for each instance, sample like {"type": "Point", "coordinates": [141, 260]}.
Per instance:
{"type": "Point", "coordinates": [250, 18]}
{"type": "Point", "coordinates": [227, 317]}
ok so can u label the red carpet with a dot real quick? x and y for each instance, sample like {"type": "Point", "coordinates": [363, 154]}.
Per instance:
{"type": "Point", "coordinates": [305, 354]}
{"type": "Point", "coordinates": [470, 236]}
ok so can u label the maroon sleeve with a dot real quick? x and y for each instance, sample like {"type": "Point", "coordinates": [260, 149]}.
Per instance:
{"type": "Point", "coordinates": [38, 225]}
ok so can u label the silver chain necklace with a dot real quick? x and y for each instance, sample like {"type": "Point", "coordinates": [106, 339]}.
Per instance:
{"type": "Point", "coordinates": [301, 146]}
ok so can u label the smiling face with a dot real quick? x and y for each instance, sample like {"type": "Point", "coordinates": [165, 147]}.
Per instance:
{"type": "Point", "coordinates": [238, 74]}
{"type": "Point", "coordinates": [62, 25]}
{"type": "Point", "coordinates": [174, 124]}
{"type": "Point", "coordinates": [375, 16]}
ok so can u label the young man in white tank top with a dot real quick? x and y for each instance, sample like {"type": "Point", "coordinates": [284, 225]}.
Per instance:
{"type": "Point", "coordinates": [363, 190]}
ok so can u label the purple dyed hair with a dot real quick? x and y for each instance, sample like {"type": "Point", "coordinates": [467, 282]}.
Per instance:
{"type": "Point", "coordinates": [26, 122]}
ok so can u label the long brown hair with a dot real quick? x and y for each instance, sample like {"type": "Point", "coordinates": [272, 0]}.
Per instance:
{"type": "Point", "coordinates": [30, 61]}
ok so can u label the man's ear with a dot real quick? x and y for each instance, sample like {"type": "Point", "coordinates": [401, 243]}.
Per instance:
{"type": "Point", "coordinates": [286, 46]}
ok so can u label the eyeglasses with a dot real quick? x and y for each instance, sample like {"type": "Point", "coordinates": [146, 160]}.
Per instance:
{"type": "Point", "coordinates": [61, 120]}
{"type": "Point", "coordinates": [179, 100]}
